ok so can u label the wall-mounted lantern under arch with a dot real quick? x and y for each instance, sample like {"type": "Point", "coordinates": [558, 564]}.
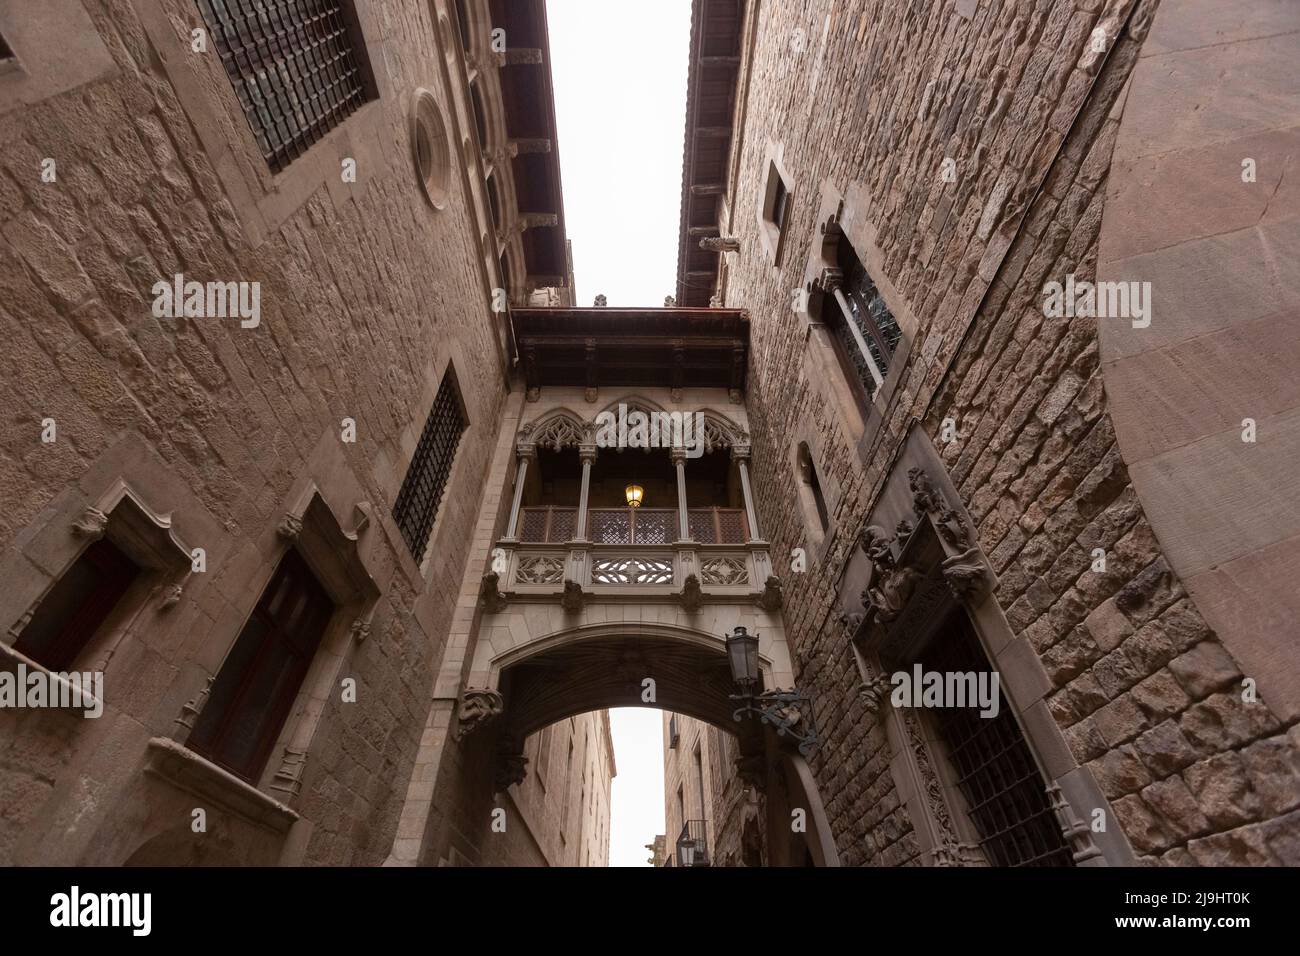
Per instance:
{"type": "Point", "coordinates": [789, 711]}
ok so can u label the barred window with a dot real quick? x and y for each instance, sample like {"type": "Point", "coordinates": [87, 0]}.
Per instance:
{"type": "Point", "coordinates": [995, 771]}
{"type": "Point", "coordinates": [296, 67]}
{"type": "Point", "coordinates": [866, 332]}
{"type": "Point", "coordinates": [426, 478]}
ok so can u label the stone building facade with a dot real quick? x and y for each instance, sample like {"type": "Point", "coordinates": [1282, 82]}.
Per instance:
{"type": "Point", "coordinates": [340, 528]}
{"type": "Point", "coordinates": [1092, 488]}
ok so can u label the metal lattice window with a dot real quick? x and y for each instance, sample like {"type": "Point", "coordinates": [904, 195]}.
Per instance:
{"type": "Point", "coordinates": [426, 478]}
{"type": "Point", "coordinates": [294, 67]}
{"type": "Point", "coordinates": [873, 325]}
{"type": "Point", "coordinates": [996, 773]}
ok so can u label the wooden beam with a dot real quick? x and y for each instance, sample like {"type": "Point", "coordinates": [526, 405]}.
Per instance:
{"type": "Point", "coordinates": [731, 61]}
{"type": "Point", "coordinates": [706, 189]}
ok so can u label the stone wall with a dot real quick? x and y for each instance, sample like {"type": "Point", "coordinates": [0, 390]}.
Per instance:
{"type": "Point", "coordinates": [367, 294]}
{"type": "Point", "coordinates": [867, 100]}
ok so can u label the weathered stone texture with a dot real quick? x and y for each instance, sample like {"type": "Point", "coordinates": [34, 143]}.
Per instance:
{"type": "Point", "coordinates": [361, 298]}
{"type": "Point", "coordinates": [1144, 693]}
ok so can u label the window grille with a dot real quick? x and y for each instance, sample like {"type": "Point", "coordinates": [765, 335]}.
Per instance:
{"type": "Point", "coordinates": [874, 323]}
{"type": "Point", "coordinates": [426, 478]}
{"type": "Point", "coordinates": [995, 771]}
{"type": "Point", "coordinates": [294, 66]}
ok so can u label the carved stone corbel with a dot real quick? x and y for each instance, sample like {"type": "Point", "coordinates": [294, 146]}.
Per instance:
{"type": "Point", "coordinates": [967, 576]}
{"type": "Point", "coordinates": [494, 601]}
{"type": "Point", "coordinates": [722, 244]}
{"type": "Point", "coordinates": [360, 630]}
{"type": "Point", "coordinates": [288, 778]}
{"type": "Point", "coordinates": [875, 692]}
{"type": "Point", "coordinates": [772, 599]}
{"type": "Point", "coordinates": [509, 770]}
{"type": "Point", "coordinates": [92, 524]}
{"type": "Point", "coordinates": [478, 706]}
{"type": "Point", "coordinates": [571, 600]}
{"type": "Point", "coordinates": [173, 597]}
{"type": "Point", "coordinates": [290, 527]}
{"type": "Point", "coordinates": [691, 596]}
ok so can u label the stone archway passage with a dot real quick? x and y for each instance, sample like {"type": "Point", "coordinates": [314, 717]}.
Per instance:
{"type": "Point", "coordinates": [1204, 204]}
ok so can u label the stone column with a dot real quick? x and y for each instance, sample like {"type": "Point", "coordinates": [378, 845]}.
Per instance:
{"type": "Point", "coordinates": [683, 516]}
{"type": "Point", "coordinates": [740, 454]}
{"type": "Point", "coordinates": [831, 281]}
{"type": "Point", "coordinates": [524, 453]}
{"type": "Point", "coordinates": [587, 453]}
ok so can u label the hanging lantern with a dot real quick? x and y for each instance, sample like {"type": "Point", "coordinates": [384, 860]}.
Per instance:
{"type": "Point", "coordinates": [634, 495]}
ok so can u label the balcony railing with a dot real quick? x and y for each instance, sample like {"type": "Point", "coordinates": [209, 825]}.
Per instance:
{"type": "Point", "coordinates": [549, 524]}
{"type": "Point", "coordinates": [693, 844]}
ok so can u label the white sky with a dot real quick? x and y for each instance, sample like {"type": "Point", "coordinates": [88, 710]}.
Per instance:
{"type": "Point", "coordinates": [619, 69]}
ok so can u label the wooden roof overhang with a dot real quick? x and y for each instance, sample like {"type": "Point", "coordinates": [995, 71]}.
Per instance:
{"type": "Point", "coordinates": [633, 348]}
{"type": "Point", "coordinates": [710, 108]}
{"type": "Point", "coordinates": [528, 100]}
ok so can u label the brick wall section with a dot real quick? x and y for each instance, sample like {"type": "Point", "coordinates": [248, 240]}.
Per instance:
{"type": "Point", "coordinates": [357, 301]}
{"type": "Point", "coordinates": [1145, 694]}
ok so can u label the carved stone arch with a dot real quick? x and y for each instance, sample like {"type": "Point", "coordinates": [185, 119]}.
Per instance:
{"type": "Point", "coordinates": [558, 429]}
{"type": "Point", "coordinates": [634, 402]}
{"type": "Point", "coordinates": [721, 431]}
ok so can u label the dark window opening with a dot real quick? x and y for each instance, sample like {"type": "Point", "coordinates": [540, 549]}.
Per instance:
{"type": "Point", "coordinates": [995, 771]}
{"type": "Point", "coordinates": [5, 52]}
{"type": "Point", "coordinates": [73, 610]}
{"type": "Point", "coordinates": [260, 678]}
{"type": "Point", "coordinates": [869, 324]}
{"type": "Point", "coordinates": [780, 202]}
{"type": "Point", "coordinates": [480, 116]}
{"type": "Point", "coordinates": [426, 478]}
{"type": "Point", "coordinates": [808, 475]}
{"type": "Point", "coordinates": [462, 23]}
{"type": "Point", "coordinates": [295, 65]}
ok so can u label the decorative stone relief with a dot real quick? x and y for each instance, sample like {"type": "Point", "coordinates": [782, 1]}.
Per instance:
{"type": "Point", "coordinates": [494, 601]}
{"type": "Point", "coordinates": [477, 707]}
{"type": "Point", "coordinates": [572, 598]}
{"type": "Point", "coordinates": [724, 572]}
{"type": "Point", "coordinates": [692, 597]}
{"type": "Point", "coordinates": [1077, 833]}
{"type": "Point", "coordinates": [360, 630]}
{"type": "Point", "coordinates": [929, 779]}
{"type": "Point", "coordinates": [538, 569]}
{"type": "Point", "coordinates": [92, 524]}
{"type": "Point", "coordinates": [290, 527]}
{"type": "Point", "coordinates": [288, 778]}
{"type": "Point", "coordinates": [890, 586]}
{"type": "Point", "coordinates": [771, 600]}
{"type": "Point", "coordinates": [510, 770]}
{"type": "Point", "coordinates": [193, 707]}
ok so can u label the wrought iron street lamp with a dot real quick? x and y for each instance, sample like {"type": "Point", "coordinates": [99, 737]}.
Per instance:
{"type": "Point", "coordinates": [634, 495]}
{"type": "Point", "coordinates": [790, 712]}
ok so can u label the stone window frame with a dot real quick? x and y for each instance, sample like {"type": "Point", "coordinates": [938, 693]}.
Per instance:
{"type": "Point", "coordinates": [55, 48]}
{"type": "Point", "coordinates": [820, 540]}
{"type": "Point", "coordinates": [313, 527]}
{"type": "Point", "coordinates": [264, 200]}
{"type": "Point", "coordinates": [840, 220]}
{"type": "Point", "coordinates": [121, 513]}
{"type": "Point", "coordinates": [771, 237]}
{"type": "Point", "coordinates": [924, 784]}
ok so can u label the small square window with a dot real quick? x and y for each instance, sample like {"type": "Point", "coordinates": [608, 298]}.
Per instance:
{"type": "Point", "coordinates": [779, 204]}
